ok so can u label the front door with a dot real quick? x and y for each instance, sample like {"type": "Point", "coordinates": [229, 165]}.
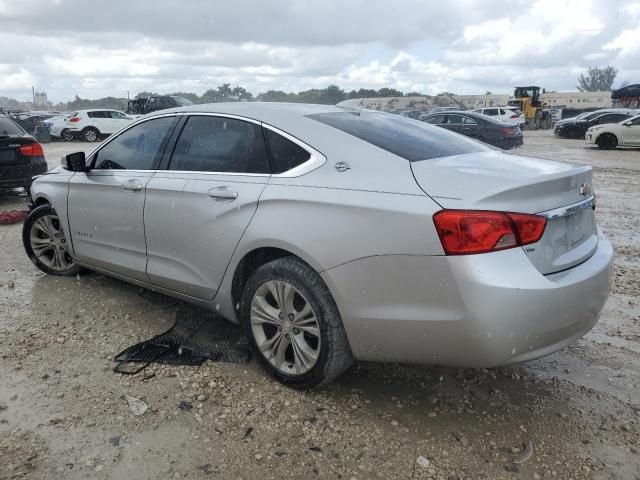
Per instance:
{"type": "Point", "coordinates": [105, 204]}
{"type": "Point", "coordinates": [199, 206]}
{"type": "Point", "coordinates": [630, 132]}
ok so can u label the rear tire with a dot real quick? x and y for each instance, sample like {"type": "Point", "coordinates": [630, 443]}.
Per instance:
{"type": "Point", "coordinates": [46, 244]}
{"type": "Point", "coordinates": [607, 141]}
{"type": "Point", "coordinates": [67, 136]}
{"type": "Point", "coordinates": [90, 134]}
{"type": "Point", "coordinates": [293, 325]}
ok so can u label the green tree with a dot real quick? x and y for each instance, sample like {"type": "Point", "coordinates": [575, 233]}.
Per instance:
{"type": "Point", "coordinates": [597, 79]}
{"type": "Point", "coordinates": [144, 94]}
{"type": "Point", "coordinates": [389, 92]}
{"type": "Point", "coordinates": [275, 96]}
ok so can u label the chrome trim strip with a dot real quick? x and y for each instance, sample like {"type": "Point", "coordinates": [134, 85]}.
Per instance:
{"type": "Point", "coordinates": [316, 159]}
{"type": "Point", "coordinates": [570, 209]}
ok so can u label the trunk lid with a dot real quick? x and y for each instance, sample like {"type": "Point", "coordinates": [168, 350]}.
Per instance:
{"type": "Point", "coordinates": [510, 183]}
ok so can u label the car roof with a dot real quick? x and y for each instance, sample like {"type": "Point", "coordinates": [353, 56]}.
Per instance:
{"type": "Point", "coordinates": [289, 116]}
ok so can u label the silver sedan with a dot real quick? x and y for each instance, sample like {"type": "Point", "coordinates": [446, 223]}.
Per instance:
{"type": "Point", "coordinates": [334, 234]}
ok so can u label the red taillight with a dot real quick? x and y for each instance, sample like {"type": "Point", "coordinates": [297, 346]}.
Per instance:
{"type": "Point", "coordinates": [515, 115]}
{"type": "Point", "coordinates": [74, 119]}
{"type": "Point", "coordinates": [508, 129]}
{"type": "Point", "coordinates": [464, 232]}
{"type": "Point", "coordinates": [32, 150]}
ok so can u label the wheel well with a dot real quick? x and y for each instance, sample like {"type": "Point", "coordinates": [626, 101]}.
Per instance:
{"type": "Point", "coordinates": [40, 201]}
{"type": "Point", "coordinates": [249, 264]}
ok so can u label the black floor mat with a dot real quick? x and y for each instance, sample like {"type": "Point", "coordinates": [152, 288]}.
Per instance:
{"type": "Point", "coordinates": [197, 336]}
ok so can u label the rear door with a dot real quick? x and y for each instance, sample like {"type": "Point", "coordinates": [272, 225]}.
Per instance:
{"type": "Point", "coordinates": [105, 204]}
{"type": "Point", "coordinates": [454, 123]}
{"type": "Point", "coordinates": [199, 205]}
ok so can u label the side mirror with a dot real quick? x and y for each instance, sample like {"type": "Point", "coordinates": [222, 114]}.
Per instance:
{"type": "Point", "coordinates": [75, 162]}
{"type": "Point", "coordinates": [627, 124]}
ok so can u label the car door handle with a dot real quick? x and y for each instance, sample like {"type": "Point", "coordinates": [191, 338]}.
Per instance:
{"type": "Point", "coordinates": [131, 186]}
{"type": "Point", "coordinates": [222, 194]}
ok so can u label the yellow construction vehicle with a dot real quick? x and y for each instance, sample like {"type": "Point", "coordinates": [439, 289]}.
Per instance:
{"type": "Point", "coordinates": [528, 100]}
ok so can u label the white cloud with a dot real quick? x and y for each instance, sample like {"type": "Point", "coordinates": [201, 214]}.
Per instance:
{"type": "Point", "coordinates": [67, 47]}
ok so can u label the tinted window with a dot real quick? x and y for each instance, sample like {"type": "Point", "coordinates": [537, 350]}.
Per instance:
{"type": "Point", "coordinates": [404, 137]}
{"type": "Point", "coordinates": [612, 118]}
{"type": "Point", "coordinates": [138, 148]}
{"type": "Point", "coordinates": [285, 154]}
{"type": "Point", "coordinates": [9, 127]}
{"type": "Point", "coordinates": [457, 119]}
{"type": "Point", "coordinates": [99, 114]}
{"type": "Point", "coordinates": [218, 144]}
{"type": "Point", "coordinates": [469, 121]}
{"type": "Point", "coordinates": [118, 115]}
{"type": "Point", "coordinates": [435, 120]}
{"type": "Point", "coordinates": [635, 121]}
{"type": "Point", "coordinates": [491, 111]}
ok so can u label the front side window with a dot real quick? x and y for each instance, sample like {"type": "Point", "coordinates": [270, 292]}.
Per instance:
{"type": "Point", "coordinates": [118, 115]}
{"type": "Point", "coordinates": [138, 148]}
{"type": "Point", "coordinates": [98, 114]}
{"type": "Point", "coordinates": [220, 144]}
{"type": "Point", "coordinates": [468, 121]}
{"type": "Point", "coordinates": [635, 121]}
{"type": "Point", "coordinates": [454, 119]}
{"type": "Point", "coordinates": [407, 138]}
{"type": "Point", "coordinates": [285, 154]}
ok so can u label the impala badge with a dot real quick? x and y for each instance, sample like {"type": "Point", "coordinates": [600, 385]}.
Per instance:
{"type": "Point", "coordinates": [342, 166]}
{"type": "Point", "coordinates": [585, 189]}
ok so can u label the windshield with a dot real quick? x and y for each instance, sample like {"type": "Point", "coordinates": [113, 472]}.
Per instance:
{"type": "Point", "coordinates": [183, 102]}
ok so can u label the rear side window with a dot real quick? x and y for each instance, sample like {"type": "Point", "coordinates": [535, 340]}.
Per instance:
{"type": "Point", "coordinates": [285, 154]}
{"type": "Point", "coordinates": [137, 148]}
{"type": "Point", "coordinates": [220, 144]}
{"type": "Point", "coordinates": [454, 119]}
{"type": "Point", "coordinates": [99, 114]}
{"type": "Point", "coordinates": [492, 112]}
{"type": "Point", "coordinates": [9, 127]}
{"type": "Point", "coordinates": [435, 120]}
{"type": "Point", "coordinates": [407, 138]}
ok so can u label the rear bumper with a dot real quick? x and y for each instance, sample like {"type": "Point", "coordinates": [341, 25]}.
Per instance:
{"type": "Point", "coordinates": [509, 143]}
{"type": "Point", "coordinates": [468, 311]}
{"type": "Point", "coordinates": [13, 176]}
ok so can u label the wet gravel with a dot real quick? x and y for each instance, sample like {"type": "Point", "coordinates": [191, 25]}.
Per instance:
{"type": "Point", "coordinates": [64, 414]}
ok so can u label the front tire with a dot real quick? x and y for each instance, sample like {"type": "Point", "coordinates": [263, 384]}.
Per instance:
{"type": "Point", "coordinates": [293, 325]}
{"type": "Point", "coordinates": [90, 134]}
{"type": "Point", "coordinates": [607, 141]}
{"type": "Point", "coordinates": [46, 244]}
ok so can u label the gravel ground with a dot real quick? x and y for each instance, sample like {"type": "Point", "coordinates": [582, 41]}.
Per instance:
{"type": "Point", "coordinates": [64, 414]}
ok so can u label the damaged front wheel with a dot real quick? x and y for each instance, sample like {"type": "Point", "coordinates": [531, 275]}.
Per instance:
{"type": "Point", "coordinates": [46, 244]}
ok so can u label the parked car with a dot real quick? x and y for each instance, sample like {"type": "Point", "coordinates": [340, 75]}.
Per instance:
{"type": "Point", "coordinates": [511, 115]}
{"type": "Point", "coordinates": [144, 105]}
{"type": "Point", "coordinates": [611, 135]}
{"type": "Point", "coordinates": [479, 126]}
{"type": "Point", "coordinates": [21, 156]}
{"type": "Point", "coordinates": [576, 127]}
{"type": "Point", "coordinates": [331, 234]}
{"type": "Point", "coordinates": [91, 125]}
{"type": "Point", "coordinates": [58, 128]}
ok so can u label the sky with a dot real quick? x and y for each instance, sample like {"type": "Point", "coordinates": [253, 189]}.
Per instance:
{"type": "Point", "coordinates": [97, 49]}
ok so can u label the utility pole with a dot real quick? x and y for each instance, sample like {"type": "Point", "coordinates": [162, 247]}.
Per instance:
{"type": "Point", "coordinates": [33, 93]}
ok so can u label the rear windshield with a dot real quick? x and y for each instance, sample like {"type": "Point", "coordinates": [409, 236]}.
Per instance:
{"type": "Point", "coordinates": [407, 138]}
{"type": "Point", "coordinates": [9, 127]}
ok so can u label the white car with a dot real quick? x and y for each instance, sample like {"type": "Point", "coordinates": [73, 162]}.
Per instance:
{"type": "Point", "coordinates": [56, 126]}
{"type": "Point", "coordinates": [510, 115]}
{"type": "Point", "coordinates": [611, 135]}
{"type": "Point", "coordinates": [90, 125]}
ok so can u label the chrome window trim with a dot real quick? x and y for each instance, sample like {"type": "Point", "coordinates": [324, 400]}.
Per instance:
{"type": "Point", "coordinates": [316, 159]}
{"type": "Point", "coordinates": [570, 209]}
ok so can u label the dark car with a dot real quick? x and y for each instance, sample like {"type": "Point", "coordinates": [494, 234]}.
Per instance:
{"type": "Point", "coordinates": [142, 106]}
{"type": "Point", "coordinates": [576, 127]}
{"type": "Point", "coordinates": [481, 127]}
{"type": "Point", "coordinates": [21, 156]}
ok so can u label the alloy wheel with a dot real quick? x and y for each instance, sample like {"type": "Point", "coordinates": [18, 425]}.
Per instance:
{"type": "Point", "coordinates": [285, 327]}
{"type": "Point", "coordinates": [49, 243]}
{"type": "Point", "coordinates": [90, 135]}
